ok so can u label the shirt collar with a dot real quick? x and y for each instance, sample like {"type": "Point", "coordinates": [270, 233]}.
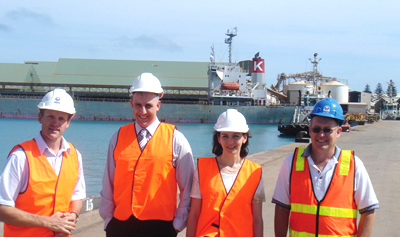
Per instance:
{"type": "Point", "coordinates": [150, 128]}
{"type": "Point", "coordinates": [43, 146]}
{"type": "Point", "coordinates": [335, 156]}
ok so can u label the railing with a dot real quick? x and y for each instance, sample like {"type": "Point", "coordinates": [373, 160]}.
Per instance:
{"type": "Point", "coordinates": [21, 97]}
{"type": "Point", "coordinates": [107, 99]}
{"type": "Point", "coordinates": [100, 99]}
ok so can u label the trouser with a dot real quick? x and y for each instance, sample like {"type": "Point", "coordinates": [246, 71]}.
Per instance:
{"type": "Point", "coordinates": [136, 227]}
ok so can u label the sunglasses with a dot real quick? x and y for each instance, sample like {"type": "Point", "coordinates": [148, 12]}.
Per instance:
{"type": "Point", "coordinates": [325, 130]}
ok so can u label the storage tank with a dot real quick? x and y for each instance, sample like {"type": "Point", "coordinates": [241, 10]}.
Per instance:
{"type": "Point", "coordinates": [293, 90]}
{"type": "Point", "coordinates": [299, 85]}
{"type": "Point", "coordinates": [339, 91]}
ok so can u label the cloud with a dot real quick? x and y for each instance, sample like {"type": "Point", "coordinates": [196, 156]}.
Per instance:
{"type": "Point", "coordinates": [25, 15]}
{"type": "Point", "coordinates": [4, 28]}
{"type": "Point", "coordinates": [149, 42]}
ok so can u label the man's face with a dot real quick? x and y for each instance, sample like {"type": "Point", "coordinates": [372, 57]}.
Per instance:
{"type": "Point", "coordinates": [54, 124]}
{"type": "Point", "coordinates": [145, 106]}
{"type": "Point", "coordinates": [329, 132]}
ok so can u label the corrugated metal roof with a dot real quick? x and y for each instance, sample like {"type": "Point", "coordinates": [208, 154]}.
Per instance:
{"type": "Point", "coordinates": [107, 72]}
{"type": "Point", "coordinates": [44, 70]}
{"type": "Point", "coordinates": [10, 73]}
{"type": "Point", "coordinates": [123, 72]}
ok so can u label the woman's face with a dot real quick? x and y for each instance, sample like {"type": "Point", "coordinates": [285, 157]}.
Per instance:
{"type": "Point", "coordinates": [232, 142]}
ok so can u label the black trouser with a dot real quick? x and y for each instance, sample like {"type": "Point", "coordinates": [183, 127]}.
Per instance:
{"type": "Point", "coordinates": [136, 227]}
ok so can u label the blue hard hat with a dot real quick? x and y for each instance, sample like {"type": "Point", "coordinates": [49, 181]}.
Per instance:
{"type": "Point", "coordinates": [328, 107]}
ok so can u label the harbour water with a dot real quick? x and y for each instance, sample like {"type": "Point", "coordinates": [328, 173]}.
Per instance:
{"type": "Point", "coordinates": [91, 138]}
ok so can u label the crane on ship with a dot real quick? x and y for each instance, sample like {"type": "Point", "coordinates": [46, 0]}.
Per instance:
{"type": "Point", "coordinates": [313, 76]}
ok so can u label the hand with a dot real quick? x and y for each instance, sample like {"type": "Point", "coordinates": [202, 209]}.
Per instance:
{"type": "Point", "coordinates": [70, 216]}
{"type": "Point", "coordinates": [61, 223]}
{"type": "Point", "coordinates": [59, 234]}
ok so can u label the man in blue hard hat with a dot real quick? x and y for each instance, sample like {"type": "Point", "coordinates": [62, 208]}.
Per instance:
{"type": "Point", "coordinates": [321, 187]}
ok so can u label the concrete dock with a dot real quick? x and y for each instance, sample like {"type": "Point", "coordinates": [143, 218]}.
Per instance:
{"type": "Point", "coordinates": [377, 146]}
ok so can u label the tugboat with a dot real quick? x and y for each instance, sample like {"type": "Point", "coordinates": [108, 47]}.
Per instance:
{"type": "Point", "coordinates": [313, 94]}
{"type": "Point", "coordinates": [301, 118]}
{"type": "Point", "coordinates": [310, 89]}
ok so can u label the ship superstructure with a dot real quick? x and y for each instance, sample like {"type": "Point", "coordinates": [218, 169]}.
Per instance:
{"type": "Point", "coordinates": [237, 84]}
{"type": "Point", "coordinates": [308, 89]}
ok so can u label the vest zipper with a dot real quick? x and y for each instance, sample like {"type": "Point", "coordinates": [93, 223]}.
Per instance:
{"type": "Point", "coordinates": [317, 219]}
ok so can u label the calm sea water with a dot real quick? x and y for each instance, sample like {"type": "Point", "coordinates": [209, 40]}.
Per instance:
{"type": "Point", "coordinates": [91, 138]}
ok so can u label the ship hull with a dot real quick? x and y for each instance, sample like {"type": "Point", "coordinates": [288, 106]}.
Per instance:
{"type": "Point", "coordinates": [121, 111]}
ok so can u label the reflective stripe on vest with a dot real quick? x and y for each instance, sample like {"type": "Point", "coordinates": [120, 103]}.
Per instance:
{"type": "Point", "coordinates": [226, 214]}
{"type": "Point", "coordinates": [344, 165]}
{"type": "Point", "coordinates": [324, 211]}
{"type": "Point", "coordinates": [335, 214]}
{"type": "Point", "coordinates": [50, 193]}
{"type": "Point", "coordinates": [145, 182]}
{"type": "Point", "coordinates": [305, 234]}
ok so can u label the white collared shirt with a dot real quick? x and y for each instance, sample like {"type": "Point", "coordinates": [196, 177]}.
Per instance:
{"type": "Point", "coordinates": [182, 161]}
{"type": "Point", "coordinates": [364, 194]}
{"type": "Point", "coordinates": [228, 181]}
{"type": "Point", "coordinates": [15, 176]}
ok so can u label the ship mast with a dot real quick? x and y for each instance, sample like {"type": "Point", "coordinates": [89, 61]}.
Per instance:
{"type": "Point", "coordinates": [315, 63]}
{"type": "Point", "coordinates": [231, 34]}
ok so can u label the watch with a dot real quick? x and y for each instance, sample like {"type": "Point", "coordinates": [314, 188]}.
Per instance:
{"type": "Point", "coordinates": [77, 216]}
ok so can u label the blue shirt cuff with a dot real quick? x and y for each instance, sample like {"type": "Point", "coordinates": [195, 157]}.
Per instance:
{"type": "Point", "coordinates": [281, 204]}
{"type": "Point", "coordinates": [375, 206]}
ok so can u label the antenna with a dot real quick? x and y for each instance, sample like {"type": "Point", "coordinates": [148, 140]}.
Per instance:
{"type": "Point", "coordinates": [315, 63]}
{"type": "Point", "coordinates": [231, 33]}
{"type": "Point", "coordinates": [212, 56]}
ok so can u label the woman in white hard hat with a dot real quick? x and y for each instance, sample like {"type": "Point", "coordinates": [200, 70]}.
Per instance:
{"type": "Point", "coordinates": [228, 189]}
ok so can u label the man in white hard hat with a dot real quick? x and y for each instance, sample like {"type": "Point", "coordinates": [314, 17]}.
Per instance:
{"type": "Point", "coordinates": [42, 183]}
{"type": "Point", "coordinates": [147, 161]}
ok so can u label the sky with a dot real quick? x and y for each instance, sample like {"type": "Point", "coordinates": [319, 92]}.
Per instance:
{"type": "Point", "coordinates": [358, 41]}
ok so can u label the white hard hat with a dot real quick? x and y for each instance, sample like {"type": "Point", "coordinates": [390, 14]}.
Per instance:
{"type": "Point", "coordinates": [146, 82]}
{"type": "Point", "coordinates": [231, 120]}
{"type": "Point", "coordinates": [58, 100]}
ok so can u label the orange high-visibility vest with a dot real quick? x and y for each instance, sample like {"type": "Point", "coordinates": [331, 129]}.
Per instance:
{"type": "Point", "coordinates": [145, 182]}
{"type": "Point", "coordinates": [46, 192]}
{"type": "Point", "coordinates": [226, 214]}
{"type": "Point", "coordinates": [336, 213]}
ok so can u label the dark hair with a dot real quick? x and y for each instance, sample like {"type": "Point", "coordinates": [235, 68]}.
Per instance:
{"type": "Point", "coordinates": [217, 148]}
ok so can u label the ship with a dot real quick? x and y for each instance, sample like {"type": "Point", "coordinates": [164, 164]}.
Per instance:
{"type": "Point", "coordinates": [100, 89]}
{"type": "Point", "coordinates": [310, 87]}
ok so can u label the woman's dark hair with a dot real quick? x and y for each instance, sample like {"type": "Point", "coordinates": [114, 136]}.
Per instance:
{"type": "Point", "coordinates": [217, 148]}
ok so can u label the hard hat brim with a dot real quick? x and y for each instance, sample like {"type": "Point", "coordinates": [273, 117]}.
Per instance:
{"type": "Point", "coordinates": [322, 114]}
{"type": "Point", "coordinates": [145, 90]}
{"type": "Point", "coordinates": [242, 130]}
{"type": "Point", "coordinates": [55, 109]}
